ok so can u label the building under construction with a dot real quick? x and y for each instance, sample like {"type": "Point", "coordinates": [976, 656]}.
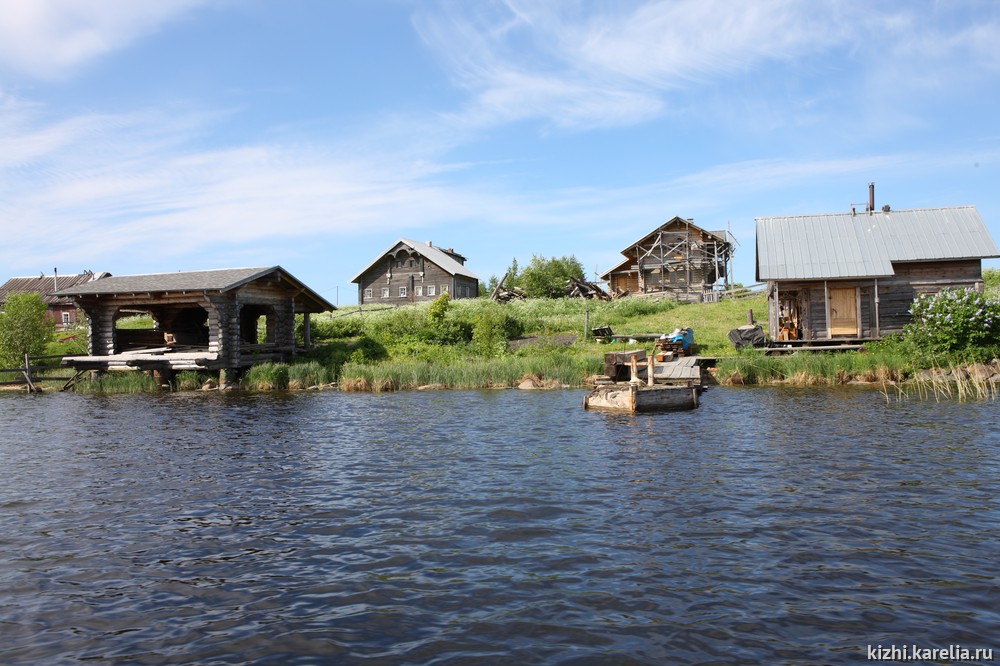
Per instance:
{"type": "Point", "coordinates": [677, 259]}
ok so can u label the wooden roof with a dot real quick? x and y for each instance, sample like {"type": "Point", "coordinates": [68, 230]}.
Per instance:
{"type": "Point", "coordinates": [220, 280]}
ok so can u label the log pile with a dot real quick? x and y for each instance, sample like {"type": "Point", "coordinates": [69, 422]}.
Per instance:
{"type": "Point", "coordinates": [577, 288]}
{"type": "Point", "coordinates": [502, 294]}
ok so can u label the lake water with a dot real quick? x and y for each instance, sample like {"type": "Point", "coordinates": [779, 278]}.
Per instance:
{"type": "Point", "coordinates": [770, 526]}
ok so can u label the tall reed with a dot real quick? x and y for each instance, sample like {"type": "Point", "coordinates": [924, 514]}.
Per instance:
{"type": "Point", "coordinates": [118, 382]}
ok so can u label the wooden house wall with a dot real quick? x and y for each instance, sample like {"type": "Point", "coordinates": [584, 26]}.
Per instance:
{"type": "Point", "coordinates": [378, 278]}
{"type": "Point", "coordinates": [895, 296]}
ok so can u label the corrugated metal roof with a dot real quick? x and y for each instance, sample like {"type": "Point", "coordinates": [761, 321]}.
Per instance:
{"type": "Point", "coordinates": [46, 286]}
{"type": "Point", "coordinates": [842, 245]}
{"type": "Point", "coordinates": [439, 257]}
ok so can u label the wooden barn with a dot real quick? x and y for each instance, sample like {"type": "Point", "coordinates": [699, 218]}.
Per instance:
{"type": "Point", "coordinates": [60, 308]}
{"type": "Point", "coordinates": [677, 259]}
{"type": "Point", "coordinates": [214, 320]}
{"type": "Point", "coordinates": [411, 272]}
{"type": "Point", "coordinates": [854, 276]}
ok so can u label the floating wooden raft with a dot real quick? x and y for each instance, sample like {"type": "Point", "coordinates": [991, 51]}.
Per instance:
{"type": "Point", "coordinates": [634, 398]}
{"type": "Point", "coordinates": [678, 388]}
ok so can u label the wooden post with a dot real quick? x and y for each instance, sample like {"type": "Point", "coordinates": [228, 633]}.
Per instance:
{"type": "Point", "coordinates": [634, 366]}
{"type": "Point", "coordinates": [306, 331]}
{"type": "Point", "coordinates": [651, 368]}
{"type": "Point", "coordinates": [750, 317]}
{"type": "Point", "coordinates": [27, 374]}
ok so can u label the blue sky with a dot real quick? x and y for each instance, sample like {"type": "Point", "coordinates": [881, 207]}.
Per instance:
{"type": "Point", "coordinates": [140, 137]}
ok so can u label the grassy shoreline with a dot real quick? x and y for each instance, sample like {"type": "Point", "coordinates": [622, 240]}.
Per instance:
{"type": "Point", "coordinates": [475, 343]}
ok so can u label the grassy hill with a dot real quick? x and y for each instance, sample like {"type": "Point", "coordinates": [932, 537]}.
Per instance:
{"type": "Point", "coordinates": [479, 343]}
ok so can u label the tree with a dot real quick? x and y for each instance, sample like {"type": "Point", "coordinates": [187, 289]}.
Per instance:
{"type": "Point", "coordinates": [24, 328]}
{"type": "Point", "coordinates": [547, 278]}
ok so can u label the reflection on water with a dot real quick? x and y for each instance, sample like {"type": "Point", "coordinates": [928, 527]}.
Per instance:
{"type": "Point", "coordinates": [768, 526]}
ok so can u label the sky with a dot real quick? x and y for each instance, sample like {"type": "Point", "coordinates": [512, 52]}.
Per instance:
{"type": "Point", "coordinates": [148, 137]}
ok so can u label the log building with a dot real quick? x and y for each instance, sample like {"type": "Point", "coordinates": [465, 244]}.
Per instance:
{"type": "Point", "coordinates": [213, 320]}
{"type": "Point", "coordinates": [677, 259]}
{"type": "Point", "coordinates": [61, 309]}
{"type": "Point", "coordinates": [854, 276]}
{"type": "Point", "coordinates": [412, 272]}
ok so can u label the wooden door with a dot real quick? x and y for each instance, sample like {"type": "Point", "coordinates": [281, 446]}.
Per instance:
{"type": "Point", "coordinates": [844, 311]}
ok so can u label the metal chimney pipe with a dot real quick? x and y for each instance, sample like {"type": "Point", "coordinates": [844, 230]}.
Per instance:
{"type": "Point", "coordinates": [871, 198]}
{"type": "Point", "coordinates": [55, 279]}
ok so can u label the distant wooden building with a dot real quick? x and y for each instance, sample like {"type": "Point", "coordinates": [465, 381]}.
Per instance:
{"type": "Point", "coordinates": [677, 259]}
{"type": "Point", "coordinates": [202, 319]}
{"type": "Point", "coordinates": [61, 309]}
{"type": "Point", "coordinates": [855, 275]}
{"type": "Point", "coordinates": [411, 272]}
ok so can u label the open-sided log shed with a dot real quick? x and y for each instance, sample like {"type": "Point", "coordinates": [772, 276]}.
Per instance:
{"type": "Point", "coordinates": [202, 319]}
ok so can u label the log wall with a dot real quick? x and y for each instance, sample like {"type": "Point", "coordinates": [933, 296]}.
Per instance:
{"type": "Point", "coordinates": [415, 274]}
{"type": "Point", "coordinates": [895, 296]}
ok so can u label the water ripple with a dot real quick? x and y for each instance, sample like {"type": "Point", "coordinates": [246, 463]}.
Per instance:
{"type": "Point", "coordinates": [769, 526]}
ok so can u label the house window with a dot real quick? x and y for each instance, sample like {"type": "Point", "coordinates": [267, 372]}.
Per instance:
{"type": "Point", "coordinates": [65, 317]}
{"type": "Point", "coordinates": [368, 293]}
{"type": "Point", "coordinates": [385, 292]}
{"type": "Point", "coordinates": [430, 290]}
{"type": "Point", "coordinates": [402, 292]}
{"type": "Point", "coordinates": [420, 289]}
{"type": "Point", "coordinates": [444, 289]}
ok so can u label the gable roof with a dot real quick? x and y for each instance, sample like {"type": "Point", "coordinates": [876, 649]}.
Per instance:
{"type": "Point", "coordinates": [721, 235]}
{"type": "Point", "coordinates": [221, 280]}
{"type": "Point", "coordinates": [46, 286]}
{"type": "Point", "coordinates": [844, 245]}
{"type": "Point", "coordinates": [429, 252]}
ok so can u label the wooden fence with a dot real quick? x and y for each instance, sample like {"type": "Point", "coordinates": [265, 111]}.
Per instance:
{"type": "Point", "coordinates": [28, 374]}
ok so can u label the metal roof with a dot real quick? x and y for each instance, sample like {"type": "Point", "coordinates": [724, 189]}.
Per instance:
{"type": "Point", "coordinates": [46, 286]}
{"type": "Point", "coordinates": [435, 255]}
{"type": "Point", "coordinates": [194, 281]}
{"type": "Point", "coordinates": [845, 245]}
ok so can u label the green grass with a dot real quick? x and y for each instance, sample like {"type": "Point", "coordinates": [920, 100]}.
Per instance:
{"type": "Point", "coordinates": [399, 374]}
{"type": "Point", "coordinates": [118, 382]}
{"type": "Point", "coordinates": [814, 368]}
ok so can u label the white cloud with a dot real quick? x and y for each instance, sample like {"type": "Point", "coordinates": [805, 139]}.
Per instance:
{"type": "Point", "coordinates": [591, 64]}
{"type": "Point", "coordinates": [584, 64]}
{"type": "Point", "coordinates": [47, 38]}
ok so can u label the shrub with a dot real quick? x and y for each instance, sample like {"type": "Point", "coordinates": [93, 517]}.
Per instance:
{"type": "Point", "coordinates": [492, 329]}
{"type": "Point", "coordinates": [367, 350]}
{"type": "Point", "coordinates": [24, 328]}
{"type": "Point", "coordinates": [954, 321]}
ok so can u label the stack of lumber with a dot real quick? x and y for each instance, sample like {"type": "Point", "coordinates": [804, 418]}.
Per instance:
{"type": "Point", "coordinates": [577, 288]}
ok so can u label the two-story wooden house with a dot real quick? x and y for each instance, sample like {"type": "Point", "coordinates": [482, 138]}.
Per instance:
{"type": "Point", "coordinates": [411, 272]}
